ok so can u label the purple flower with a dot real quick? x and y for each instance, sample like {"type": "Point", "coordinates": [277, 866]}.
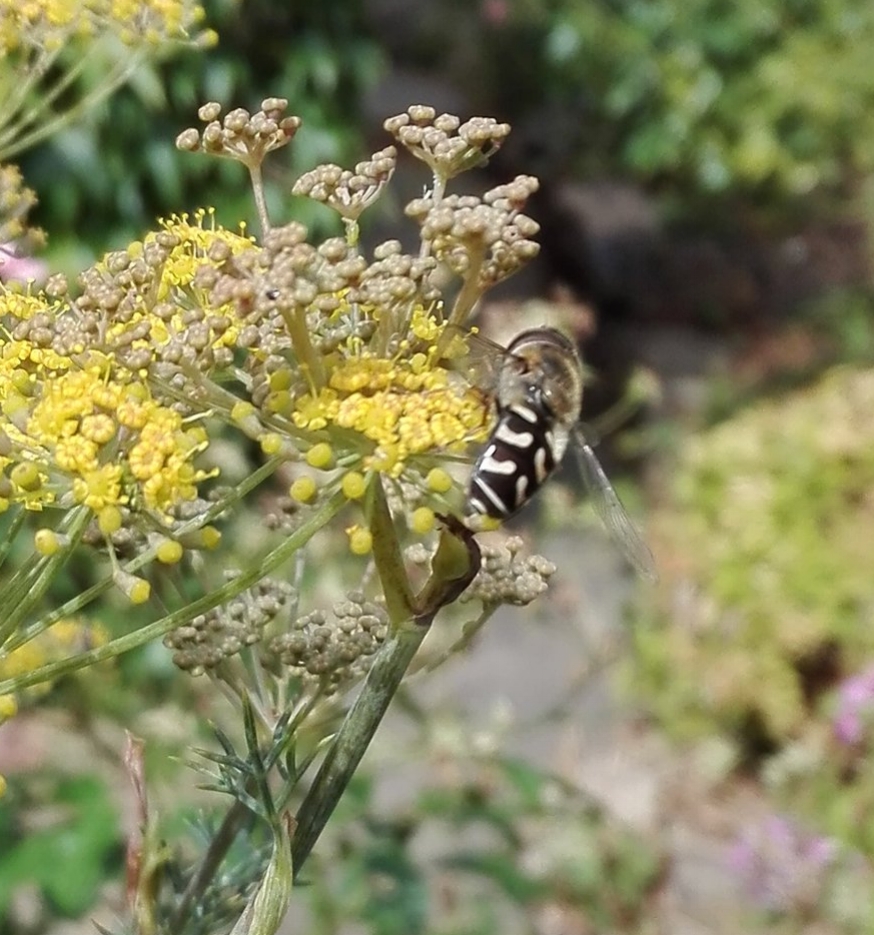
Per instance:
{"type": "Point", "coordinates": [781, 867]}
{"type": "Point", "coordinates": [855, 707]}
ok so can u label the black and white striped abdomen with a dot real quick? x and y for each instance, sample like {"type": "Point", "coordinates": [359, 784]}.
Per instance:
{"type": "Point", "coordinates": [517, 459]}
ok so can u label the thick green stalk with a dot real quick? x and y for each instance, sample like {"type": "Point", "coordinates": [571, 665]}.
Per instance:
{"type": "Point", "coordinates": [470, 293]}
{"type": "Point", "coordinates": [353, 739]}
{"type": "Point", "coordinates": [454, 566]}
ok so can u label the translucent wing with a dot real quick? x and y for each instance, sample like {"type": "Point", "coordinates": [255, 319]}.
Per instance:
{"type": "Point", "coordinates": [610, 510]}
{"type": "Point", "coordinates": [483, 361]}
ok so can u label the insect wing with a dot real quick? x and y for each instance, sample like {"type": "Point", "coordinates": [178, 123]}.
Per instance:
{"type": "Point", "coordinates": [611, 512]}
{"type": "Point", "coordinates": [484, 361]}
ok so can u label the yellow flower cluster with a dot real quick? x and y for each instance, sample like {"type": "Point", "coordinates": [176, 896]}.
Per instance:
{"type": "Point", "coordinates": [48, 24]}
{"type": "Point", "coordinates": [80, 421]}
{"type": "Point", "coordinates": [172, 288]}
{"type": "Point", "coordinates": [102, 399]}
{"type": "Point", "coordinates": [197, 237]}
{"type": "Point", "coordinates": [405, 407]}
{"type": "Point", "coordinates": [101, 437]}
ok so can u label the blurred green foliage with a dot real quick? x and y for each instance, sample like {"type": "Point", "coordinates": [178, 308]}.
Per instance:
{"type": "Point", "coordinates": [704, 96]}
{"type": "Point", "coordinates": [768, 538]}
{"type": "Point", "coordinates": [481, 854]}
{"type": "Point", "coordinates": [66, 849]}
{"type": "Point", "coordinates": [105, 180]}
{"type": "Point", "coordinates": [487, 844]}
{"type": "Point", "coordinates": [843, 322]}
{"type": "Point", "coordinates": [832, 786]}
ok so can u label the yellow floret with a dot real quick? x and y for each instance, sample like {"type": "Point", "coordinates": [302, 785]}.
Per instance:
{"type": "Point", "coordinates": [320, 455]}
{"type": "Point", "coordinates": [169, 552]}
{"type": "Point", "coordinates": [360, 540]}
{"type": "Point", "coordinates": [354, 485]}
{"type": "Point", "coordinates": [438, 480]}
{"type": "Point", "coordinates": [109, 520]}
{"type": "Point", "coordinates": [8, 707]}
{"type": "Point", "coordinates": [303, 489]}
{"type": "Point", "coordinates": [47, 542]}
{"type": "Point", "coordinates": [422, 520]}
{"type": "Point", "coordinates": [271, 443]}
{"type": "Point", "coordinates": [100, 488]}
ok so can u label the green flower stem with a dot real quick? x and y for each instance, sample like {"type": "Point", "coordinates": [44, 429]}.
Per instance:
{"type": "Point", "coordinates": [231, 589]}
{"type": "Point", "coordinates": [48, 127]}
{"type": "Point", "coordinates": [75, 604]}
{"type": "Point", "coordinates": [353, 232]}
{"type": "Point", "coordinates": [258, 191]}
{"type": "Point", "coordinates": [15, 94]}
{"type": "Point", "coordinates": [353, 738]}
{"type": "Point", "coordinates": [43, 100]}
{"type": "Point", "coordinates": [19, 584]}
{"type": "Point", "coordinates": [387, 557]}
{"type": "Point", "coordinates": [25, 591]}
{"type": "Point", "coordinates": [10, 533]}
{"type": "Point", "coordinates": [453, 567]}
{"type": "Point", "coordinates": [298, 331]}
{"type": "Point", "coordinates": [467, 297]}
{"type": "Point", "coordinates": [438, 190]}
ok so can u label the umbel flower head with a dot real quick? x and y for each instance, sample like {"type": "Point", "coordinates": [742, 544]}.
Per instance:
{"type": "Point", "coordinates": [347, 359]}
{"type": "Point", "coordinates": [317, 352]}
{"type": "Point", "coordinates": [343, 367]}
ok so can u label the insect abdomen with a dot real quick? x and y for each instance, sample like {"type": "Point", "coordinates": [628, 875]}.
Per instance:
{"type": "Point", "coordinates": [518, 458]}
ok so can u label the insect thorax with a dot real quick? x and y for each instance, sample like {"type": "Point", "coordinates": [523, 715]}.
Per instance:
{"type": "Point", "coordinates": [544, 373]}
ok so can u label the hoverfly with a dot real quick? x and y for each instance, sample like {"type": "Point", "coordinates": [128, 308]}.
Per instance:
{"type": "Point", "coordinates": [537, 387]}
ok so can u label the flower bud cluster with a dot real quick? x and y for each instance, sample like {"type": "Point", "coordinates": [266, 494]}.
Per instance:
{"type": "Point", "coordinates": [508, 577]}
{"type": "Point", "coordinates": [399, 281]}
{"type": "Point", "coordinates": [223, 632]}
{"type": "Point", "coordinates": [148, 304]}
{"type": "Point", "coordinates": [349, 193]}
{"type": "Point", "coordinates": [16, 201]}
{"type": "Point", "coordinates": [443, 142]}
{"type": "Point", "coordinates": [487, 237]}
{"type": "Point", "coordinates": [334, 649]}
{"type": "Point", "coordinates": [239, 134]}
